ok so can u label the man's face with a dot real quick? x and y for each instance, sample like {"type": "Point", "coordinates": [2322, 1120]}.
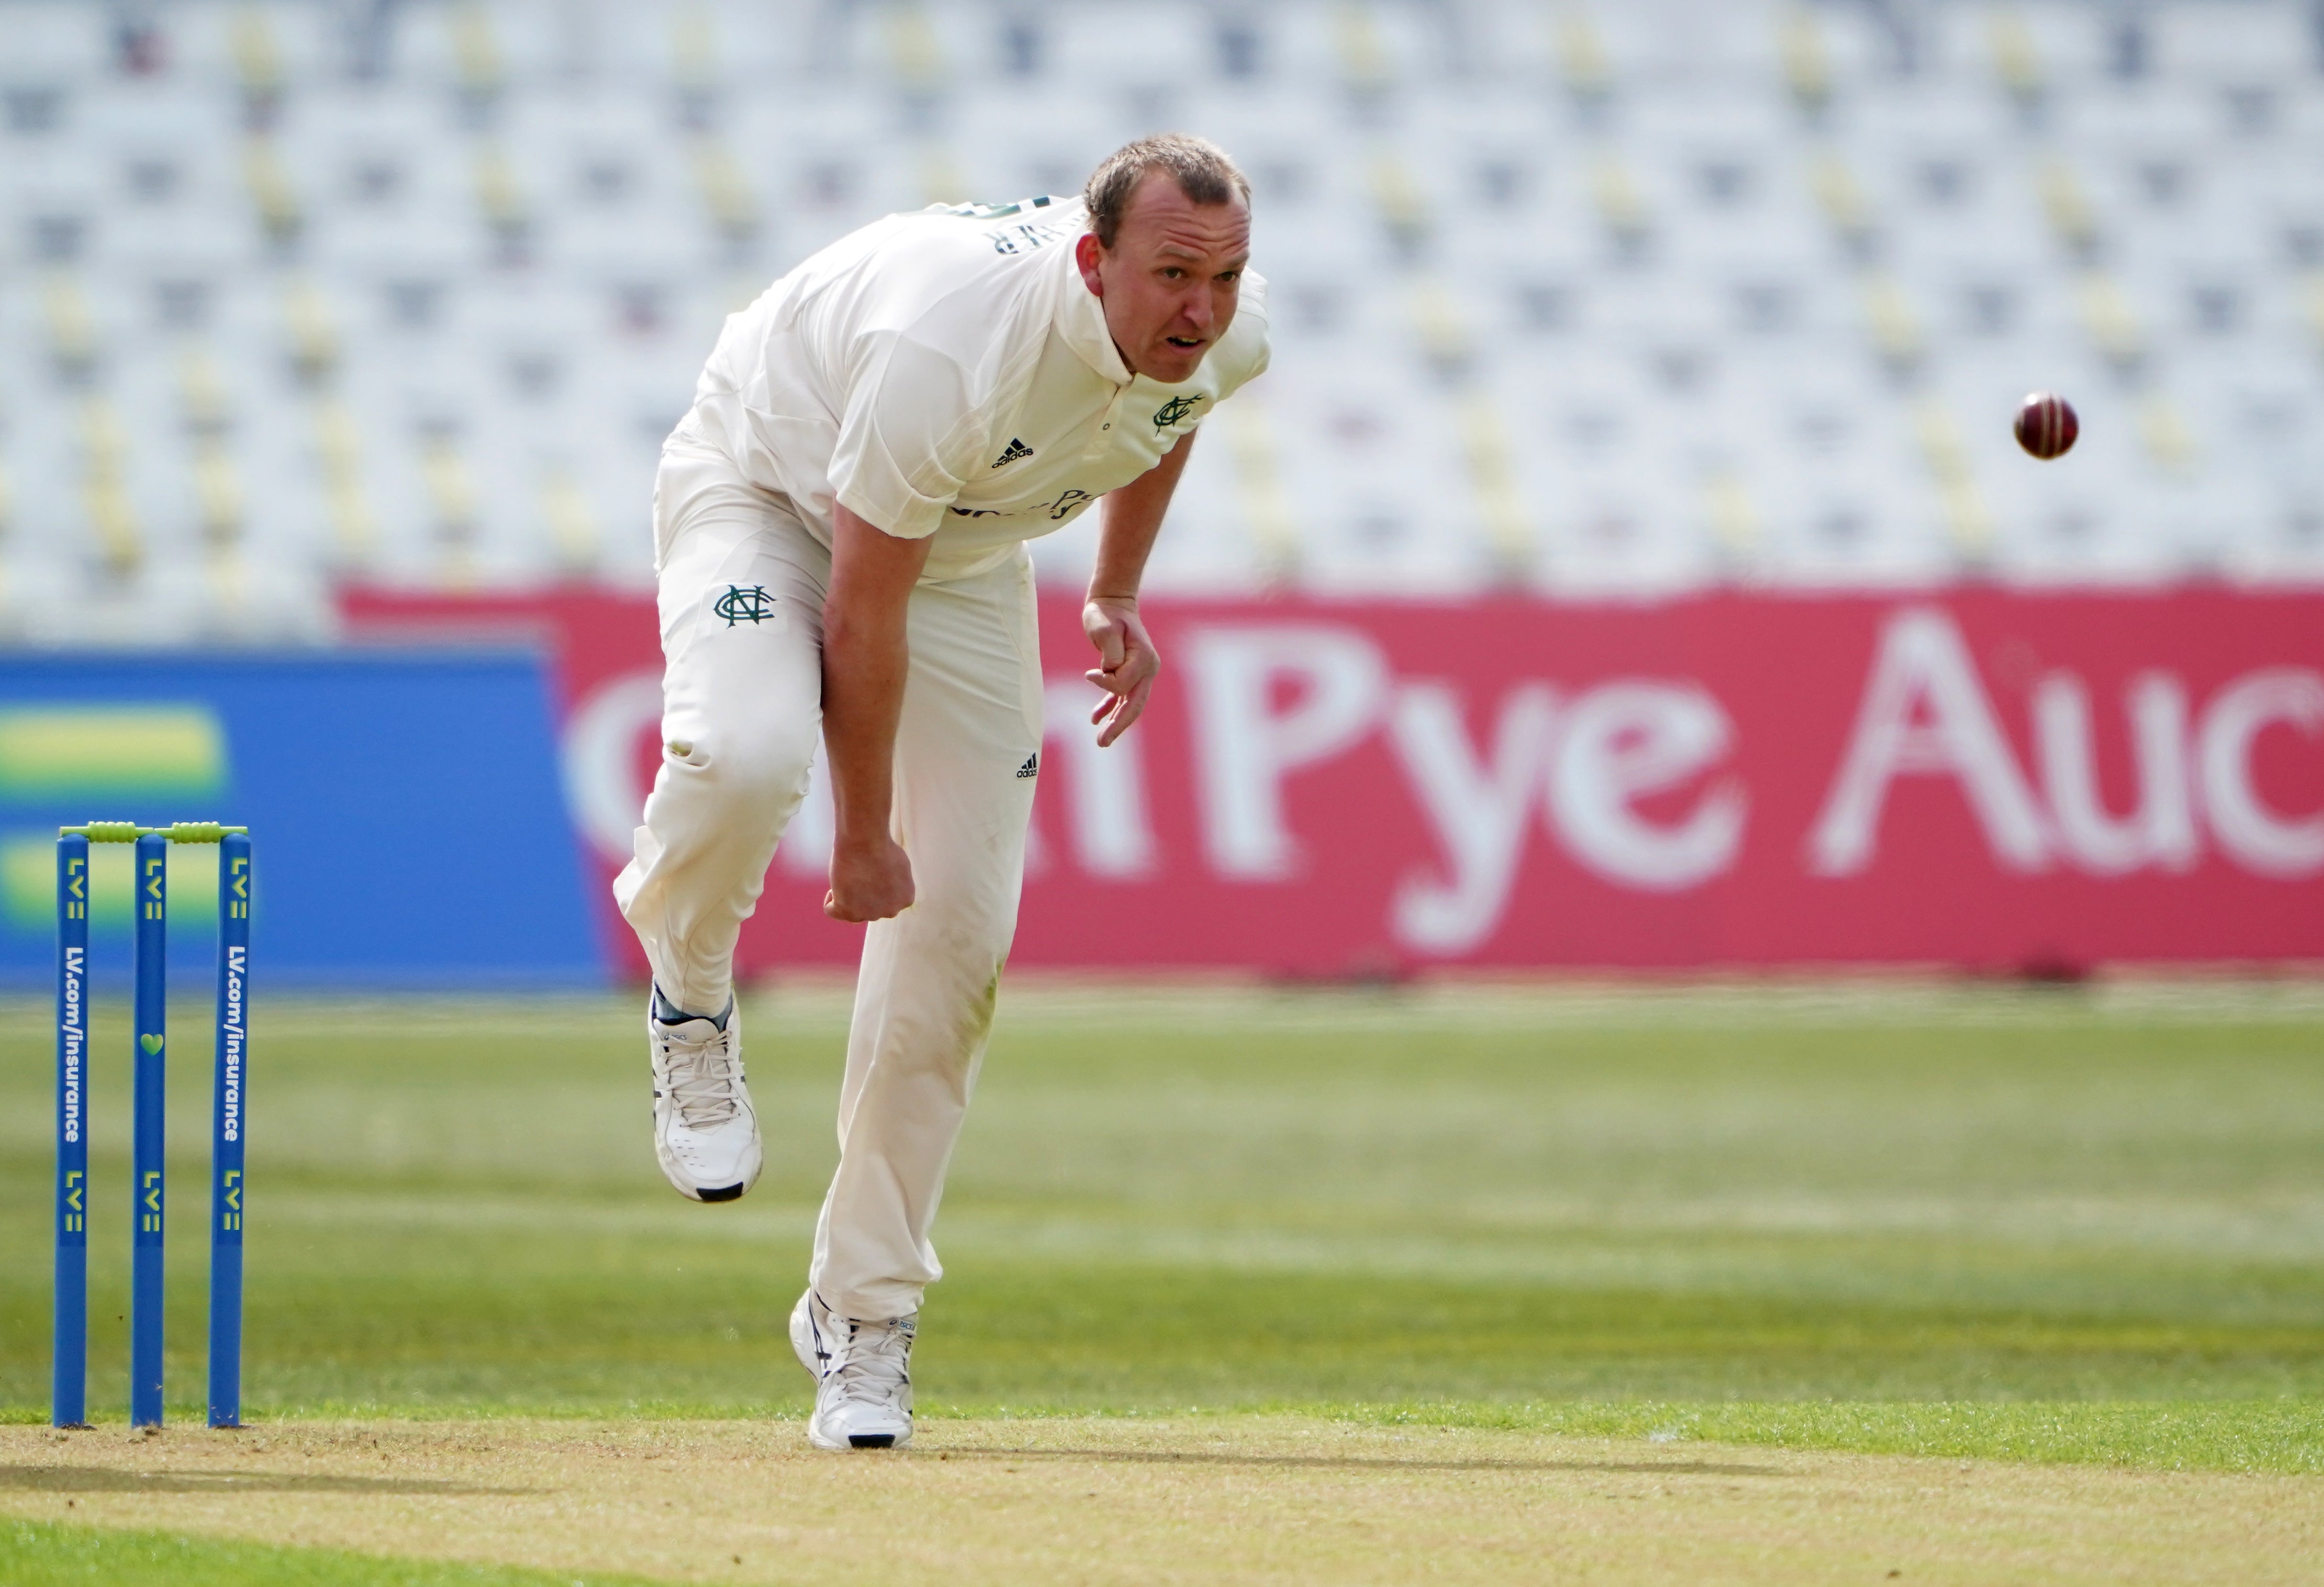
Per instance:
{"type": "Point", "coordinates": [1170, 281]}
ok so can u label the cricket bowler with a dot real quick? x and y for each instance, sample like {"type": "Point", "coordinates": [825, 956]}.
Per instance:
{"type": "Point", "coordinates": [840, 524]}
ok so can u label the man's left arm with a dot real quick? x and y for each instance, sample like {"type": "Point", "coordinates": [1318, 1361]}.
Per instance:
{"type": "Point", "coordinates": [1127, 660]}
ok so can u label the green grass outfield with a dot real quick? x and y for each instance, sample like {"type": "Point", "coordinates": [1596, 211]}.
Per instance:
{"type": "Point", "coordinates": [2076, 1226]}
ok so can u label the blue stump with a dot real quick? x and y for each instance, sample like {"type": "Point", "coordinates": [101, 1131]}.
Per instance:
{"type": "Point", "coordinates": [69, 1391]}
{"type": "Point", "coordinates": [227, 1131]}
{"type": "Point", "coordinates": [148, 1176]}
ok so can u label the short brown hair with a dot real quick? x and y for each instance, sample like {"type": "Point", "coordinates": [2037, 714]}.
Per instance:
{"type": "Point", "coordinates": [1205, 173]}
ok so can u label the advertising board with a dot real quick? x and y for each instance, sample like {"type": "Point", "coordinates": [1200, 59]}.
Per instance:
{"type": "Point", "coordinates": [1976, 779]}
{"type": "Point", "coordinates": [404, 808]}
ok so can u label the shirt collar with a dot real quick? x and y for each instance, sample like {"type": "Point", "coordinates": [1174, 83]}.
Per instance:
{"type": "Point", "coordinates": [1081, 321]}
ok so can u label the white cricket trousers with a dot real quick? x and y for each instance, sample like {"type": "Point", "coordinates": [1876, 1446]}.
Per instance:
{"type": "Point", "coordinates": [741, 596]}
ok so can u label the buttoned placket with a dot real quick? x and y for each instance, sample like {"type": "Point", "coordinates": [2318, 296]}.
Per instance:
{"type": "Point", "coordinates": [1105, 423]}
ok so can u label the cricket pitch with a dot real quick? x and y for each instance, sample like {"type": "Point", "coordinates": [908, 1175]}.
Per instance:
{"type": "Point", "coordinates": [1207, 1498]}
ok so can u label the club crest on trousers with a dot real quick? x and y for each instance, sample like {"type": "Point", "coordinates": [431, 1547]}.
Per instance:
{"type": "Point", "coordinates": [740, 604]}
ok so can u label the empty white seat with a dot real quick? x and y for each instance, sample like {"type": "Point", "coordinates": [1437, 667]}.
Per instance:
{"type": "Point", "coordinates": [2236, 45]}
{"type": "Point", "coordinates": [49, 43]}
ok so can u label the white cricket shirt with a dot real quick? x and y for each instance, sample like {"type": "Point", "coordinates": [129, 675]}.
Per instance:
{"type": "Point", "coordinates": [949, 374]}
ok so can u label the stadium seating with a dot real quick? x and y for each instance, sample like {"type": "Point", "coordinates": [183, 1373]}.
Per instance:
{"type": "Point", "coordinates": [1569, 296]}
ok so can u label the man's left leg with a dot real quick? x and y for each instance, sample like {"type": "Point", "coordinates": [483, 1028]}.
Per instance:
{"type": "Point", "coordinates": [967, 752]}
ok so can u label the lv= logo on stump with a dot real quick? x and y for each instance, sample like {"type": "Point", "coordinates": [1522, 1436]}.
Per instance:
{"type": "Point", "coordinates": [149, 1173]}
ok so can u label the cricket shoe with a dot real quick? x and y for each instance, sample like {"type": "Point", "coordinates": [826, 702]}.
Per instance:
{"type": "Point", "coordinates": [862, 1373]}
{"type": "Point", "coordinates": [705, 1134]}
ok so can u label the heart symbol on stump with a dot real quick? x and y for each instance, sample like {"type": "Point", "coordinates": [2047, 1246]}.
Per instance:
{"type": "Point", "coordinates": [152, 1044]}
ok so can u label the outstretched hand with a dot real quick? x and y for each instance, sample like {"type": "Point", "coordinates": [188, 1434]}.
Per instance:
{"type": "Point", "coordinates": [1127, 663]}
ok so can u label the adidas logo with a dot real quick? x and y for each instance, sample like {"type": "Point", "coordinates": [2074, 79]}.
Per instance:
{"type": "Point", "coordinates": [1016, 449]}
{"type": "Point", "coordinates": [1031, 768]}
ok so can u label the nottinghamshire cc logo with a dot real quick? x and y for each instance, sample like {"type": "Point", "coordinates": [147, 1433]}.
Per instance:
{"type": "Point", "coordinates": [744, 606]}
{"type": "Point", "coordinates": [1173, 410]}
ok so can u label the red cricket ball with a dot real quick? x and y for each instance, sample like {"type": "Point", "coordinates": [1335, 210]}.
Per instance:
{"type": "Point", "coordinates": [2046, 426]}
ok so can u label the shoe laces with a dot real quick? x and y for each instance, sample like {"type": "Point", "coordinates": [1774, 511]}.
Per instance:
{"type": "Point", "coordinates": [702, 1077]}
{"type": "Point", "coordinates": [872, 1360]}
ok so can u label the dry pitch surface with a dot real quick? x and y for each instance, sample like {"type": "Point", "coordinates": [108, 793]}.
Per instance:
{"type": "Point", "coordinates": [1196, 1499]}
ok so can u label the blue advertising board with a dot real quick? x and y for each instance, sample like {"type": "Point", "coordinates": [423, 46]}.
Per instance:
{"type": "Point", "coordinates": [405, 808]}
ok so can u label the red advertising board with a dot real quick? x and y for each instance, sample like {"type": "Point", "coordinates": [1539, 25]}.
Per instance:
{"type": "Point", "coordinates": [1973, 778]}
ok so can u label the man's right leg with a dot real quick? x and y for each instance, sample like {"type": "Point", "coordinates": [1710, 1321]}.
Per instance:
{"type": "Point", "coordinates": [741, 604]}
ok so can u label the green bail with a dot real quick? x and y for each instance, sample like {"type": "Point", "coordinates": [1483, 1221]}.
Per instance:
{"type": "Point", "coordinates": [130, 832]}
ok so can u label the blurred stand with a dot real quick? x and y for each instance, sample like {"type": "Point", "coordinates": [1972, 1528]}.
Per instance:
{"type": "Point", "coordinates": [1579, 298]}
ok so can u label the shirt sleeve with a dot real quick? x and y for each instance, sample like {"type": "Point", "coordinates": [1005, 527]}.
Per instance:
{"type": "Point", "coordinates": [909, 437]}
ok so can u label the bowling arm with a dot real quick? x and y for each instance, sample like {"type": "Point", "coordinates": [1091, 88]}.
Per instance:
{"type": "Point", "coordinates": [865, 657]}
